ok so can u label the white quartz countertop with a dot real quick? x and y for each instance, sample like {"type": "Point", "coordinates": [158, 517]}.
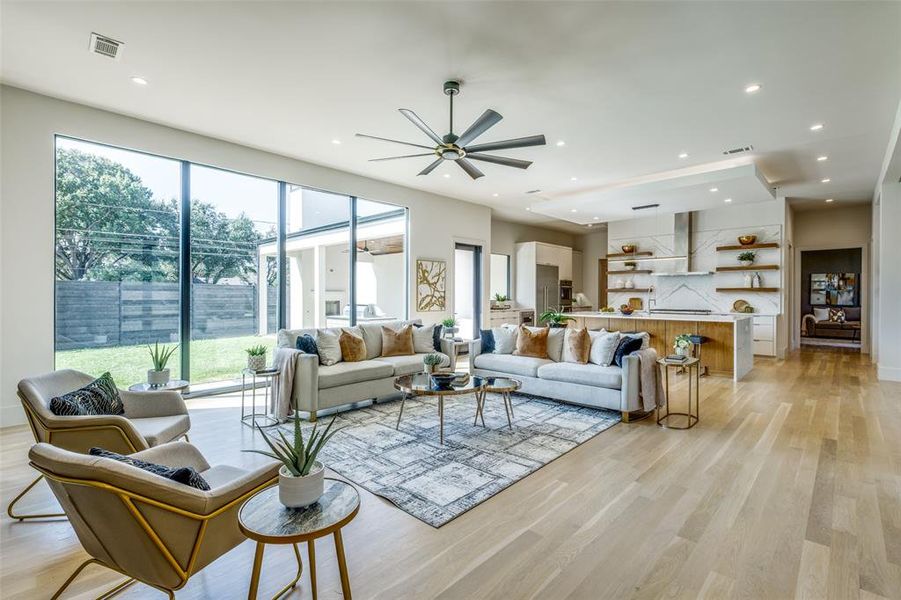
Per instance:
{"type": "Point", "coordinates": [720, 318]}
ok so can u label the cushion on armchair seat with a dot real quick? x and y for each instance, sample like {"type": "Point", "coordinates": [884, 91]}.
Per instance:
{"type": "Point", "coordinates": [345, 373]}
{"type": "Point", "coordinates": [526, 366]}
{"type": "Point", "coordinates": [159, 430]}
{"type": "Point", "coordinates": [584, 374]}
{"type": "Point", "coordinates": [219, 475]}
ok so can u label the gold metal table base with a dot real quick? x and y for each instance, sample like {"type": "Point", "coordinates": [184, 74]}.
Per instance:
{"type": "Point", "coordinates": [692, 418]}
{"type": "Point", "coordinates": [311, 554]}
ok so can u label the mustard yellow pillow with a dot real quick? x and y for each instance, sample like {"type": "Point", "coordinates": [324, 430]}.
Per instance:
{"type": "Point", "coordinates": [397, 342]}
{"type": "Point", "coordinates": [353, 348]}
{"type": "Point", "coordinates": [531, 342]}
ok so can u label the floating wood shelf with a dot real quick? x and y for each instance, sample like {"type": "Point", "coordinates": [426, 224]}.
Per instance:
{"type": "Point", "coordinates": [748, 247]}
{"type": "Point", "coordinates": [747, 289]}
{"type": "Point", "coordinates": [628, 272]}
{"type": "Point", "coordinates": [751, 268]}
{"type": "Point", "coordinates": [643, 290]}
{"type": "Point", "coordinates": [629, 254]}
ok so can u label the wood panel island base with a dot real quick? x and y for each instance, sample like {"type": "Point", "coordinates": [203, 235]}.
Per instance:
{"type": "Point", "coordinates": [728, 349]}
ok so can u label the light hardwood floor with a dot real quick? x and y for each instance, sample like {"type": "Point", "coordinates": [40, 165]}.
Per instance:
{"type": "Point", "coordinates": [790, 487]}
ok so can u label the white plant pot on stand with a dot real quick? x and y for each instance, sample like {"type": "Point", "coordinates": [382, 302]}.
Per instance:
{"type": "Point", "coordinates": [297, 492]}
{"type": "Point", "coordinates": [158, 378]}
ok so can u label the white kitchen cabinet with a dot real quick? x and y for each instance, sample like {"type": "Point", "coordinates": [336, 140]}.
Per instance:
{"type": "Point", "coordinates": [528, 256]}
{"type": "Point", "coordinates": [765, 335]}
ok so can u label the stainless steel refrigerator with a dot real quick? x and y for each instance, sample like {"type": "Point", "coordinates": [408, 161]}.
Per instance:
{"type": "Point", "coordinates": [548, 293]}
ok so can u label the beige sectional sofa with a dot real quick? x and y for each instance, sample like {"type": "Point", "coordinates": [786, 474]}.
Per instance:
{"type": "Point", "coordinates": [318, 387]}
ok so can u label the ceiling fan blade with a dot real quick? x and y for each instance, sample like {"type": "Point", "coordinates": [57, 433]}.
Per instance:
{"type": "Point", "coordinates": [470, 168]}
{"type": "Point", "coordinates": [532, 140]}
{"type": "Point", "coordinates": [414, 118]}
{"type": "Point", "coordinates": [501, 160]}
{"type": "Point", "coordinates": [488, 120]}
{"type": "Point", "coordinates": [375, 137]}
{"type": "Point", "coordinates": [431, 167]}
{"type": "Point", "coordinates": [404, 156]}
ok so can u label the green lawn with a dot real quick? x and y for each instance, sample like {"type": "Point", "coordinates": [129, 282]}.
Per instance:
{"type": "Point", "coordinates": [211, 360]}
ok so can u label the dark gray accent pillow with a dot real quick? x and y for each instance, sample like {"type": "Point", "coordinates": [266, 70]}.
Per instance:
{"type": "Point", "coordinates": [487, 341]}
{"type": "Point", "coordinates": [184, 475]}
{"type": "Point", "coordinates": [100, 397]}
{"type": "Point", "coordinates": [627, 346]}
{"type": "Point", "coordinates": [436, 336]}
{"type": "Point", "coordinates": [306, 343]}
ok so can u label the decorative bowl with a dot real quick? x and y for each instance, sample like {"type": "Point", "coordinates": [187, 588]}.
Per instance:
{"type": "Point", "coordinates": [740, 306]}
{"type": "Point", "coordinates": [629, 248]}
{"type": "Point", "coordinates": [747, 240]}
{"type": "Point", "coordinates": [443, 380]}
{"type": "Point", "coordinates": [626, 310]}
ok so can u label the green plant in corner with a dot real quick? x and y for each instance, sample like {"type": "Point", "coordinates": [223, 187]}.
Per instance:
{"type": "Point", "coordinates": [297, 457]}
{"type": "Point", "coordinates": [554, 317]}
{"type": "Point", "coordinates": [160, 355]}
{"type": "Point", "coordinates": [259, 350]}
{"type": "Point", "coordinates": [449, 322]}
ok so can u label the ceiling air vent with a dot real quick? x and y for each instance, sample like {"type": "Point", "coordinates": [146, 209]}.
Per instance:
{"type": "Point", "coordinates": [738, 150]}
{"type": "Point", "coordinates": [533, 191]}
{"type": "Point", "coordinates": [106, 46]}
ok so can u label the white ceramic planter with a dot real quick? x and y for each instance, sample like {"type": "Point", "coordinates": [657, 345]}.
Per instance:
{"type": "Point", "coordinates": [746, 263]}
{"type": "Point", "coordinates": [158, 377]}
{"type": "Point", "coordinates": [256, 363]}
{"type": "Point", "coordinates": [682, 351]}
{"type": "Point", "coordinates": [297, 492]}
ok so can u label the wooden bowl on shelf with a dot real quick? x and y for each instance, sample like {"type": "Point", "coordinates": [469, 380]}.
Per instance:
{"type": "Point", "coordinates": [629, 248]}
{"type": "Point", "coordinates": [747, 240]}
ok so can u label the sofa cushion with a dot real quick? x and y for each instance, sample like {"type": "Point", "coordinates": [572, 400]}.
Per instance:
{"type": "Point", "coordinates": [424, 338]}
{"type": "Point", "coordinates": [532, 342]}
{"type": "Point", "coordinates": [504, 339]}
{"type": "Point", "coordinates": [603, 345]}
{"type": "Point", "coordinates": [587, 374]}
{"type": "Point", "coordinates": [526, 366]}
{"type": "Point", "coordinates": [821, 314]}
{"type": "Point", "coordinates": [852, 313]}
{"type": "Point", "coordinates": [306, 343]}
{"type": "Point", "coordinates": [344, 373]}
{"type": "Point", "coordinates": [397, 342]}
{"type": "Point", "coordinates": [407, 365]}
{"type": "Point", "coordinates": [183, 475]}
{"type": "Point", "coordinates": [627, 345]}
{"type": "Point", "coordinates": [328, 346]}
{"type": "Point", "coordinates": [487, 337]}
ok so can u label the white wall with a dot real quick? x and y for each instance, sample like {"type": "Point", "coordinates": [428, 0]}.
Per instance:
{"type": "Point", "coordinates": [28, 123]}
{"type": "Point", "coordinates": [889, 286]}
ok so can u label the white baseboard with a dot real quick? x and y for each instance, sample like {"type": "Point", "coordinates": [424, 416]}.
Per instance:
{"type": "Point", "coordinates": [888, 373]}
{"type": "Point", "coordinates": [12, 415]}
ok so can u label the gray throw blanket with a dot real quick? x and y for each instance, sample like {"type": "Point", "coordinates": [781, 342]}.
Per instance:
{"type": "Point", "coordinates": [286, 362]}
{"type": "Point", "coordinates": [650, 382]}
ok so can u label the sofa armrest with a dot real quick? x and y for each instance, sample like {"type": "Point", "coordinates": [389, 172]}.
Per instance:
{"type": "Point", "coordinates": [161, 403]}
{"type": "Point", "coordinates": [475, 348]}
{"type": "Point", "coordinates": [234, 489]}
{"type": "Point", "coordinates": [306, 383]}
{"type": "Point", "coordinates": [810, 324]}
{"type": "Point", "coordinates": [631, 388]}
{"type": "Point", "coordinates": [450, 351]}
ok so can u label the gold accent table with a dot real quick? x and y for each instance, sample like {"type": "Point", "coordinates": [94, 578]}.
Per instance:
{"type": "Point", "coordinates": [422, 384]}
{"type": "Point", "coordinates": [265, 520]}
{"type": "Point", "coordinates": [692, 364]}
{"type": "Point", "coordinates": [499, 385]}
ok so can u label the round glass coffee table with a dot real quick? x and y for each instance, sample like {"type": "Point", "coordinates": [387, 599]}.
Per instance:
{"type": "Point", "coordinates": [265, 520]}
{"type": "Point", "coordinates": [422, 384]}
{"type": "Point", "coordinates": [499, 385]}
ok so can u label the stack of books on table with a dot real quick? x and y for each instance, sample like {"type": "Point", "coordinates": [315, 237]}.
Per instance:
{"type": "Point", "coordinates": [676, 358]}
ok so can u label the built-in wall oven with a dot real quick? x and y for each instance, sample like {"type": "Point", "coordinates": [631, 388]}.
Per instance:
{"type": "Point", "coordinates": [566, 295]}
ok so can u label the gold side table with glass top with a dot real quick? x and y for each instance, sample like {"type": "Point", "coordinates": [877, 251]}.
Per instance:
{"type": "Point", "coordinates": [688, 419]}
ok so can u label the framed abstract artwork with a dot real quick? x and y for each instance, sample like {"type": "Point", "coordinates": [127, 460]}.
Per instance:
{"type": "Point", "coordinates": [833, 289]}
{"type": "Point", "coordinates": [431, 285]}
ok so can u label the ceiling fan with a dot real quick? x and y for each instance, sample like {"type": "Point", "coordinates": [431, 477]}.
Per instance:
{"type": "Point", "coordinates": [457, 147]}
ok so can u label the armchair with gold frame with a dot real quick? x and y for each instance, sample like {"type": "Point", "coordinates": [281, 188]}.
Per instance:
{"type": "Point", "coordinates": [151, 418]}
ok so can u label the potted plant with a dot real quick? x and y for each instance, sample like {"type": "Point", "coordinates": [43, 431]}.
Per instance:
{"type": "Point", "coordinates": [160, 355]}
{"type": "Point", "coordinates": [630, 265]}
{"type": "Point", "coordinates": [301, 477]}
{"type": "Point", "coordinates": [501, 301]}
{"type": "Point", "coordinates": [555, 318]}
{"type": "Point", "coordinates": [430, 362]}
{"type": "Point", "coordinates": [746, 258]}
{"type": "Point", "coordinates": [682, 344]}
{"type": "Point", "coordinates": [450, 326]}
{"type": "Point", "coordinates": [256, 357]}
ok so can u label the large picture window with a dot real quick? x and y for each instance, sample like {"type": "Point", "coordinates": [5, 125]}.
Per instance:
{"type": "Point", "coordinates": [146, 245]}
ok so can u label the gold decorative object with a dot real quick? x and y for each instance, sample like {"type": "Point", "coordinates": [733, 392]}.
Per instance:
{"type": "Point", "coordinates": [747, 240]}
{"type": "Point", "coordinates": [629, 248]}
{"type": "Point", "coordinates": [431, 285]}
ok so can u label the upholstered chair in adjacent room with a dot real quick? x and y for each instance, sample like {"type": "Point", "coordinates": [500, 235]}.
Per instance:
{"type": "Point", "coordinates": [150, 419]}
{"type": "Point", "coordinates": [149, 528]}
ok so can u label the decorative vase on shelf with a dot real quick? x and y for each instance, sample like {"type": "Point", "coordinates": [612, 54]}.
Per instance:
{"type": "Point", "coordinates": [619, 284]}
{"type": "Point", "coordinates": [746, 263]}
{"type": "Point", "coordinates": [756, 281]}
{"type": "Point", "coordinates": [748, 280]}
{"type": "Point", "coordinates": [630, 285]}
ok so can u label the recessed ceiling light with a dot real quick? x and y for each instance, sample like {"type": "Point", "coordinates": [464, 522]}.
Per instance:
{"type": "Point", "coordinates": [574, 179]}
{"type": "Point", "coordinates": [336, 141]}
{"type": "Point", "coordinates": [727, 200]}
{"type": "Point", "coordinates": [595, 218]}
{"type": "Point", "coordinates": [822, 158]}
{"type": "Point", "coordinates": [825, 180]}
{"type": "Point", "coordinates": [683, 155]}
{"type": "Point", "coordinates": [816, 126]}
{"type": "Point", "coordinates": [560, 143]}
{"type": "Point", "coordinates": [447, 175]}
{"type": "Point", "coordinates": [754, 87]}
{"type": "Point", "coordinates": [714, 189]}
{"type": "Point", "coordinates": [829, 199]}
{"type": "Point", "coordinates": [573, 210]}
{"type": "Point", "coordinates": [494, 194]}
{"type": "Point", "coordinates": [139, 80]}
{"type": "Point", "coordinates": [529, 209]}
{"type": "Point", "coordinates": [589, 224]}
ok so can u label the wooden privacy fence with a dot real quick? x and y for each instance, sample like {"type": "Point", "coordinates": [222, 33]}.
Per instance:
{"type": "Point", "coordinates": [96, 314]}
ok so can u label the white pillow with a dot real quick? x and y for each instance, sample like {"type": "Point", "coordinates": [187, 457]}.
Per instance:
{"type": "Point", "coordinates": [821, 314]}
{"type": "Point", "coordinates": [504, 339]}
{"type": "Point", "coordinates": [423, 341]}
{"type": "Point", "coordinates": [555, 338]}
{"type": "Point", "coordinates": [328, 346]}
{"type": "Point", "coordinates": [603, 346]}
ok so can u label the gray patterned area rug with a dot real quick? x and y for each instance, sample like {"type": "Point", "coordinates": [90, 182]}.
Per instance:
{"type": "Point", "coordinates": [436, 483]}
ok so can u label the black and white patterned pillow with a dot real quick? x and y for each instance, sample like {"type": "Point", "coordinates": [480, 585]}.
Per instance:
{"type": "Point", "coordinates": [100, 397]}
{"type": "Point", "coordinates": [184, 475]}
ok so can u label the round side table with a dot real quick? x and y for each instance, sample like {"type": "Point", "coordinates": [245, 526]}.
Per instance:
{"type": "Point", "coordinates": [270, 397]}
{"type": "Point", "coordinates": [499, 385]}
{"type": "Point", "coordinates": [694, 371]}
{"type": "Point", "coordinates": [265, 520]}
{"type": "Point", "coordinates": [179, 385]}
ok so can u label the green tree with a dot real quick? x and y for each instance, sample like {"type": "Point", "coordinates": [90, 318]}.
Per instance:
{"type": "Point", "coordinates": [222, 248]}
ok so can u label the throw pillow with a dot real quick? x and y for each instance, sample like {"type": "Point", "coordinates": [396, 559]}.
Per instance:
{"type": "Point", "coordinates": [643, 336]}
{"type": "Point", "coordinates": [555, 342]}
{"type": "Point", "coordinates": [626, 346]}
{"type": "Point", "coordinates": [531, 342]}
{"type": "Point", "coordinates": [184, 475]}
{"type": "Point", "coordinates": [603, 347]}
{"type": "Point", "coordinates": [436, 337]}
{"type": "Point", "coordinates": [576, 345]}
{"type": "Point", "coordinates": [100, 397]}
{"type": "Point", "coordinates": [329, 347]}
{"type": "Point", "coordinates": [424, 339]}
{"type": "Point", "coordinates": [397, 342]}
{"type": "Point", "coordinates": [353, 348]}
{"type": "Point", "coordinates": [837, 315]}
{"type": "Point", "coordinates": [306, 344]}
{"type": "Point", "coordinates": [504, 339]}
{"type": "Point", "coordinates": [487, 337]}
{"type": "Point", "coordinates": [821, 314]}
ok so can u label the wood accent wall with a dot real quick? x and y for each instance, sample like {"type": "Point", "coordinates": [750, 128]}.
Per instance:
{"type": "Point", "coordinates": [716, 354]}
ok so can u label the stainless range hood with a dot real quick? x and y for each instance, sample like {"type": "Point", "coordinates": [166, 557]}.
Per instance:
{"type": "Point", "coordinates": [682, 248]}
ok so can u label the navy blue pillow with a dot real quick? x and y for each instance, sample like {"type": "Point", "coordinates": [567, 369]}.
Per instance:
{"type": "Point", "coordinates": [436, 336]}
{"type": "Point", "coordinates": [487, 340]}
{"type": "Point", "coordinates": [306, 344]}
{"type": "Point", "coordinates": [626, 346]}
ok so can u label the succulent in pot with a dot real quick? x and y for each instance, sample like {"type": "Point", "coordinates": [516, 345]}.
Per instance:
{"type": "Point", "coordinates": [630, 265]}
{"type": "Point", "coordinates": [555, 318]}
{"type": "Point", "coordinates": [256, 357]}
{"type": "Point", "coordinates": [301, 479]}
{"type": "Point", "coordinates": [746, 258]}
{"type": "Point", "coordinates": [159, 355]}
{"type": "Point", "coordinates": [431, 362]}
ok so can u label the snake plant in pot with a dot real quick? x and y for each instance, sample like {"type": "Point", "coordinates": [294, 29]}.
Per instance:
{"type": "Point", "coordinates": [301, 479]}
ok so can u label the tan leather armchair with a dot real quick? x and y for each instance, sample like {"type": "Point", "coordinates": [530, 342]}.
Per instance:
{"type": "Point", "coordinates": [146, 527]}
{"type": "Point", "coordinates": [151, 418]}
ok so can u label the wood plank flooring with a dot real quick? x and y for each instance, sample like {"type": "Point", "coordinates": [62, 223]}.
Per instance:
{"type": "Point", "coordinates": [790, 487]}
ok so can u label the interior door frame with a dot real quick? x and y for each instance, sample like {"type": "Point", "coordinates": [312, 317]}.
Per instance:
{"type": "Point", "coordinates": [477, 251]}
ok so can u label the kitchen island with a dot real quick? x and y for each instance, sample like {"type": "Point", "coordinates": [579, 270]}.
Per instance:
{"type": "Point", "coordinates": [728, 349]}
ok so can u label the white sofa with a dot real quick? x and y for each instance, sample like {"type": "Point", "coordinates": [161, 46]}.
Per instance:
{"type": "Point", "coordinates": [589, 384]}
{"type": "Point", "coordinates": [319, 387]}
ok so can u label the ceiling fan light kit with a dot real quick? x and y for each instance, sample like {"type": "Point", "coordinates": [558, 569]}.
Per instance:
{"type": "Point", "coordinates": [458, 148]}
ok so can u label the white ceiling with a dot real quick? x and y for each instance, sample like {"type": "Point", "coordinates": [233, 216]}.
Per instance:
{"type": "Point", "coordinates": [627, 86]}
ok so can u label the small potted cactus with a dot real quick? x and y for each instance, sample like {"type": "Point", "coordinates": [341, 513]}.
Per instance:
{"type": "Point", "coordinates": [256, 357]}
